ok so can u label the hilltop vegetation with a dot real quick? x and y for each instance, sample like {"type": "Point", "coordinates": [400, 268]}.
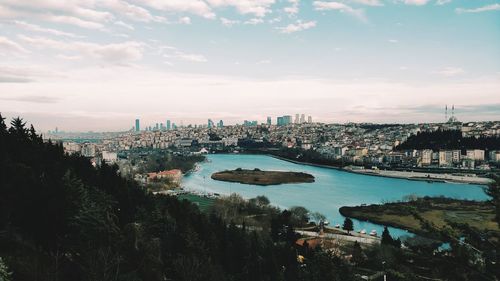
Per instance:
{"type": "Point", "coordinates": [448, 139]}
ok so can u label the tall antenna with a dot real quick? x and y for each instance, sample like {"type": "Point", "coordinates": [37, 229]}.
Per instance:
{"type": "Point", "coordinates": [446, 113]}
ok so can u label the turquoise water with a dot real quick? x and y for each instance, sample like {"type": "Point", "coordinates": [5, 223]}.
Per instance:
{"type": "Point", "coordinates": [331, 190]}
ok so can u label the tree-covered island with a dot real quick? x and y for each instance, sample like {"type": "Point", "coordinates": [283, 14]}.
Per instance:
{"type": "Point", "coordinates": [259, 177]}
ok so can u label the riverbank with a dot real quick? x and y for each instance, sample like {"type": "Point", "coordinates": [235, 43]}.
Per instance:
{"type": "Point", "coordinates": [417, 176]}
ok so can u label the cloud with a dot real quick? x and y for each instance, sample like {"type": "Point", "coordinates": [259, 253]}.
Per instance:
{"type": "Point", "coordinates": [185, 20]}
{"type": "Point", "coordinates": [24, 74]}
{"type": "Point", "coordinates": [393, 41]}
{"type": "Point", "coordinates": [293, 9]}
{"type": "Point", "coordinates": [32, 99]}
{"type": "Point", "coordinates": [115, 53]}
{"type": "Point", "coordinates": [258, 8]}
{"type": "Point", "coordinates": [228, 22]}
{"type": "Point", "coordinates": [125, 25]}
{"type": "Point", "coordinates": [297, 26]}
{"type": "Point", "coordinates": [254, 21]}
{"type": "Point", "coordinates": [170, 52]}
{"type": "Point", "coordinates": [492, 7]}
{"type": "Point", "coordinates": [450, 71]}
{"type": "Point", "coordinates": [196, 7]}
{"type": "Point", "coordinates": [10, 46]}
{"type": "Point", "coordinates": [415, 2]}
{"type": "Point", "coordinates": [37, 28]}
{"type": "Point", "coordinates": [443, 2]}
{"type": "Point", "coordinates": [327, 6]}
{"type": "Point", "coordinates": [368, 2]}
{"type": "Point", "coordinates": [132, 12]}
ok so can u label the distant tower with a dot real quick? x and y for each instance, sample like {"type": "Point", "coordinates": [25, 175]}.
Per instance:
{"type": "Point", "coordinates": [446, 113]}
{"type": "Point", "coordinates": [269, 121]}
{"type": "Point", "coordinates": [453, 111]}
{"type": "Point", "coordinates": [168, 125]}
{"type": "Point", "coordinates": [137, 126]}
{"type": "Point", "coordinates": [302, 118]}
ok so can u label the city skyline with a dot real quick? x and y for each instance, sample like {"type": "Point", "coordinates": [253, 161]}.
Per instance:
{"type": "Point", "coordinates": [99, 65]}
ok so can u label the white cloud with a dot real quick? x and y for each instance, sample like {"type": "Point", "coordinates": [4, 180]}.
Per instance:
{"type": "Point", "coordinates": [443, 2]}
{"type": "Point", "coordinates": [196, 7]}
{"type": "Point", "coordinates": [131, 11]}
{"type": "Point", "coordinates": [254, 21]}
{"type": "Point", "coordinates": [297, 26]}
{"type": "Point", "coordinates": [228, 22]}
{"type": "Point", "coordinates": [258, 8]}
{"type": "Point", "coordinates": [116, 53]}
{"type": "Point", "coordinates": [125, 25]}
{"type": "Point", "coordinates": [9, 46]}
{"type": "Point", "coordinates": [37, 28]}
{"type": "Point", "coordinates": [393, 41]}
{"type": "Point", "coordinates": [185, 20]}
{"type": "Point", "coordinates": [450, 71]}
{"type": "Point", "coordinates": [492, 7]}
{"type": "Point", "coordinates": [326, 6]}
{"type": "Point", "coordinates": [293, 9]}
{"type": "Point", "coordinates": [170, 52]}
{"type": "Point", "coordinates": [416, 2]}
{"type": "Point", "coordinates": [368, 2]}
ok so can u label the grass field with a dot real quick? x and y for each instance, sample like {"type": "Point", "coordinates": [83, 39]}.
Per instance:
{"type": "Point", "coordinates": [439, 212]}
{"type": "Point", "coordinates": [203, 203]}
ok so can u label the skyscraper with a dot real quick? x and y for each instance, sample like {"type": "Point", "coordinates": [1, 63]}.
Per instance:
{"type": "Point", "coordinates": [210, 123]}
{"type": "Point", "coordinates": [269, 121]}
{"type": "Point", "coordinates": [137, 126]}
{"type": "Point", "coordinates": [220, 124]}
{"type": "Point", "coordinates": [168, 124]}
{"type": "Point", "coordinates": [296, 118]}
{"type": "Point", "coordinates": [309, 119]}
{"type": "Point", "coordinates": [302, 118]}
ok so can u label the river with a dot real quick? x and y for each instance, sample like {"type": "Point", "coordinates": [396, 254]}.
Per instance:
{"type": "Point", "coordinates": [331, 190]}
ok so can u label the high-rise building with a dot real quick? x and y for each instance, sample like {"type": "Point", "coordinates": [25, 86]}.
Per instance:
{"type": "Point", "coordinates": [302, 118]}
{"type": "Point", "coordinates": [210, 123]}
{"type": "Point", "coordinates": [309, 119]}
{"type": "Point", "coordinates": [287, 119]}
{"type": "Point", "coordinates": [137, 125]}
{"type": "Point", "coordinates": [296, 119]}
{"type": "Point", "coordinates": [220, 124]}
{"type": "Point", "coordinates": [269, 121]}
{"type": "Point", "coordinates": [168, 125]}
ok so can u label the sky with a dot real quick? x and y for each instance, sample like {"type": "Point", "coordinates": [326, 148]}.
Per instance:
{"type": "Point", "coordinates": [83, 65]}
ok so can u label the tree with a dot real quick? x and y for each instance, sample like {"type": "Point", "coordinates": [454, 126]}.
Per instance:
{"type": "Point", "coordinates": [262, 200]}
{"type": "Point", "coordinates": [18, 127]}
{"type": "Point", "coordinates": [300, 213]}
{"type": "Point", "coordinates": [348, 225]}
{"type": "Point", "coordinates": [3, 127]}
{"type": "Point", "coordinates": [318, 217]}
{"type": "Point", "coordinates": [388, 240]}
{"type": "Point", "coordinates": [493, 190]}
{"type": "Point", "coordinates": [5, 275]}
{"type": "Point", "coordinates": [357, 253]}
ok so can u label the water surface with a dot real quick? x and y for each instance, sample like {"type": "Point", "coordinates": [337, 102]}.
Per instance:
{"type": "Point", "coordinates": [331, 190]}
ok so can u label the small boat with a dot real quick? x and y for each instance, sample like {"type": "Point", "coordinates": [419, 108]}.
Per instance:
{"type": "Point", "coordinates": [337, 225]}
{"type": "Point", "coordinates": [326, 222]}
{"type": "Point", "coordinates": [363, 231]}
{"type": "Point", "coordinates": [373, 233]}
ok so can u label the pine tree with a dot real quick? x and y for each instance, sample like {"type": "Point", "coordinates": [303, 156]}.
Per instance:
{"type": "Point", "coordinates": [348, 225]}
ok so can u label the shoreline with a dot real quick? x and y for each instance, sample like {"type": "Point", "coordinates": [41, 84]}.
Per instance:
{"type": "Point", "coordinates": [412, 176]}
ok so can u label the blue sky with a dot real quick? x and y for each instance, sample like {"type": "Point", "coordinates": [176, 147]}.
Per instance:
{"type": "Point", "coordinates": [98, 65]}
